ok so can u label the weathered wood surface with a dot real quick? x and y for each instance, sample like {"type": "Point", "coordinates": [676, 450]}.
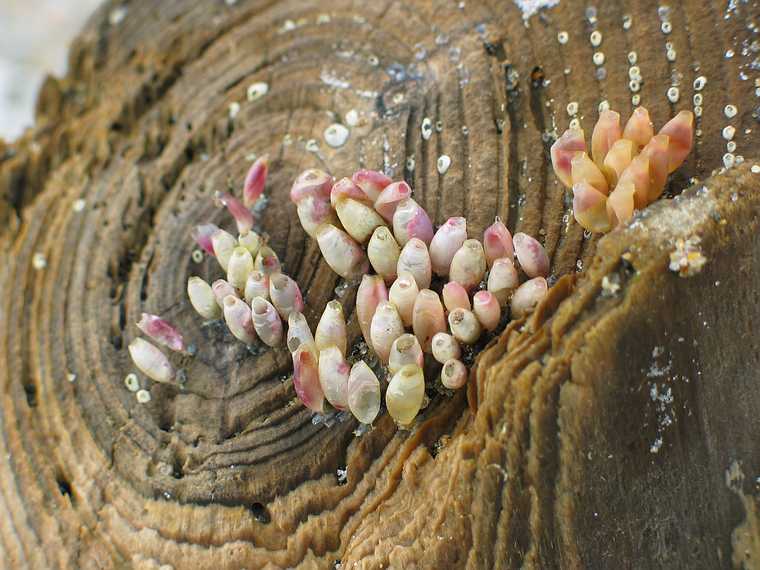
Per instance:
{"type": "Point", "coordinates": [551, 465]}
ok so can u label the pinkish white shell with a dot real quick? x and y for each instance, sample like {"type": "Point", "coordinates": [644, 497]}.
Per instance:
{"type": "Point", "coordinates": [606, 133]}
{"type": "Point", "coordinates": [386, 327]}
{"type": "Point", "coordinates": [486, 308]}
{"type": "Point", "coordinates": [267, 322]}
{"type": "Point", "coordinates": [403, 293]}
{"type": "Point", "coordinates": [313, 212]}
{"type": "Point", "coordinates": [389, 198]}
{"type": "Point", "coordinates": [312, 183]}
{"type": "Point", "coordinates": [333, 376]}
{"type": "Point", "coordinates": [455, 296]}
{"type": "Point", "coordinates": [151, 361]}
{"type": "Point", "coordinates": [469, 265]}
{"type": "Point", "coordinates": [371, 182]}
{"type": "Point", "coordinates": [445, 243]}
{"type": "Point", "coordinates": [306, 380]}
{"type": "Point", "coordinates": [497, 242]}
{"type": "Point", "coordinates": [657, 153]}
{"type": "Point", "coordinates": [342, 254]}
{"type": "Point", "coordinates": [223, 243]}
{"type": "Point", "coordinates": [405, 394]}
{"type": "Point", "coordinates": [202, 235]}
{"type": "Point", "coordinates": [346, 189]}
{"type": "Point", "coordinates": [251, 241]}
{"type": "Point", "coordinates": [255, 180]}
{"type": "Point", "coordinates": [585, 170]}
{"type": "Point", "coordinates": [383, 252]}
{"type": "Point", "coordinates": [358, 219]}
{"type": "Point", "coordinates": [428, 318]}
{"type": "Point", "coordinates": [527, 296]}
{"type": "Point", "coordinates": [299, 334]}
{"type": "Point", "coordinates": [410, 220]}
{"type": "Point", "coordinates": [331, 329]}
{"type": "Point", "coordinates": [453, 374]}
{"type": "Point", "coordinates": [563, 151]}
{"type": "Point", "coordinates": [639, 127]}
{"type": "Point", "coordinates": [372, 291]}
{"type": "Point", "coordinates": [531, 255]}
{"type": "Point", "coordinates": [257, 285]}
{"type": "Point", "coordinates": [590, 208]}
{"type": "Point", "coordinates": [405, 350]}
{"type": "Point", "coordinates": [617, 160]}
{"type": "Point", "coordinates": [237, 315]}
{"type": "Point", "coordinates": [465, 326]}
{"type": "Point", "coordinates": [202, 298]}
{"type": "Point", "coordinates": [445, 347]}
{"type": "Point", "coordinates": [285, 295]}
{"type": "Point", "coordinates": [680, 130]}
{"type": "Point", "coordinates": [161, 331]}
{"type": "Point", "coordinates": [239, 267]}
{"type": "Point", "coordinates": [415, 259]}
{"type": "Point", "coordinates": [222, 289]}
{"type": "Point", "coordinates": [503, 279]}
{"type": "Point", "coordinates": [267, 262]}
{"type": "Point", "coordinates": [364, 395]}
{"type": "Point", "coordinates": [242, 215]}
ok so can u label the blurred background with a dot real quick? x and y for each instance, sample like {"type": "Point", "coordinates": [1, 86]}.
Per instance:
{"type": "Point", "coordinates": [34, 38]}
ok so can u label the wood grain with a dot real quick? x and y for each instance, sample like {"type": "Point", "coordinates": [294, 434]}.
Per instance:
{"type": "Point", "coordinates": [546, 462]}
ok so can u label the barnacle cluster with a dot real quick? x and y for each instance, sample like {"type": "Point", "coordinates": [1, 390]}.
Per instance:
{"type": "Point", "coordinates": [432, 292]}
{"type": "Point", "coordinates": [425, 294]}
{"type": "Point", "coordinates": [628, 167]}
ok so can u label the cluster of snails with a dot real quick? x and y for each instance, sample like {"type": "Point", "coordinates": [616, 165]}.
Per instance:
{"type": "Point", "coordinates": [475, 282]}
{"type": "Point", "coordinates": [628, 167]}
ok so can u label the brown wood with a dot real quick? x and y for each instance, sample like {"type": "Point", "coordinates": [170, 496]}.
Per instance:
{"type": "Point", "coordinates": [551, 465]}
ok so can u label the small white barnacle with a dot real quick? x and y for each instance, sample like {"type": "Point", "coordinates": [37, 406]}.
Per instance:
{"type": "Point", "coordinates": [634, 72]}
{"type": "Point", "coordinates": [444, 161]}
{"type": "Point", "coordinates": [575, 124]}
{"type": "Point", "coordinates": [634, 85]}
{"type": "Point", "coordinates": [700, 82]}
{"type": "Point", "coordinates": [627, 22]}
{"type": "Point", "coordinates": [233, 109]}
{"type": "Point", "coordinates": [666, 27]}
{"type": "Point", "coordinates": [633, 57]}
{"type": "Point", "coordinates": [598, 58]}
{"type": "Point", "coordinates": [636, 100]}
{"type": "Point", "coordinates": [563, 37]}
{"type": "Point", "coordinates": [730, 111]}
{"type": "Point", "coordinates": [39, 261]}
{"type": "Point", "coordinates": [697, 99]}
{"type": "Point", "coordinates": [131, 382]}
{"type": "Point", "coordinates": [426, 128]}
{"type": "Point", "coordinates": [197, 256]}
{"type": "Point", "coordinates": [604, 106]}
{"type": "Point", "coordinates": [596, 38]}
{"type": "Point", "coordinates": [336, 135]}
{"type": "Point", "coordinates": [673, 94]}
{"type": "Point", "coordinates": [731, 147]}
{"type": "Point", "coordinates": [257, 90]}
{"type": "Point", "coordinates": [143, 396]}
{"type": "Point", "coordinates": [698, 111]}
{"type": "Point", "coordinates": [728, 132]}
{"type": "Point", "coordinates": [572, 108]}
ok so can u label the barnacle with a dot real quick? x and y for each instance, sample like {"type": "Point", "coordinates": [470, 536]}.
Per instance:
{"type": "Point", "coordinates": [402, 324]}
{"type": "Point", "coordinates": [629, 169]}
